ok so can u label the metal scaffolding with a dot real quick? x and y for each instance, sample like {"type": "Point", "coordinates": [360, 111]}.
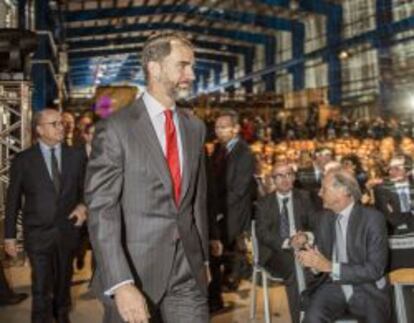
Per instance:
{"type": "Point", "coordinates": [15, 130]}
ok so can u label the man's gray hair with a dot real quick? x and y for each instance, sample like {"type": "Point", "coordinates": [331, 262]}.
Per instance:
{"type": "Point", "coordinates": [36, 119]}
{"type": "Point", "coordinates": [344, 179]}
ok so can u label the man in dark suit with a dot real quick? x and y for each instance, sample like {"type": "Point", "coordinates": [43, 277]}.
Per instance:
{"type": "Point", "coordinates": [394, 197]}
{"type": "Point", "coordinates": [284, 222]}
{"type": "Point", "coordinates": [231, 184]}
{"type": "Point", "coordinates": [146, 192]}
{"type": "Point", "coordinates": [350, 256]}
{"type": "Point", "coordinates": [310, 178]}
{"type": "Point", "coordinates": [49, 176]}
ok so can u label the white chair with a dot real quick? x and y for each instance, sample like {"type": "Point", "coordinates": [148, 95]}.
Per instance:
{"type": "Point", "coordinates": [402, 278]}
{"type": "Point", "coordinates": [265, 276]}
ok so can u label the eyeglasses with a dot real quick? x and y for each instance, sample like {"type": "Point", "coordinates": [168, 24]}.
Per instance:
{"type": "Point", "coordinates": [279, 176]}
{"type": "Point", "coordinates": [55, 124]}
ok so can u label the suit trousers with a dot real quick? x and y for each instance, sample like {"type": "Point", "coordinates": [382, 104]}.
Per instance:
{"type": "Point", "coordinates": [5, 290]}
{"type": "Point", "coordinates": [328, 303]}
{"type": "Point", "coordinates": [284, 267]}
{"type": "Point", "coordinates": [52, 270]}
{"type": "Point", "coordinates": [183, 301]}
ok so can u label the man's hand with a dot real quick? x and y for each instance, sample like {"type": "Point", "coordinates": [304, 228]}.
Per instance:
{"type": "Point", "coordinates": [131, 304]}
{"type": "Point", "coordinates": [216, 248]}
{"type": "Point", "coordinates": [299, 240]}
{"type": "Point", "coordinates": [208, 273]}
{"type": "Point", "coordinates": [10, 246]}
{"type": "Point", "coordinates": [312, 258]}
{"type": "Point", "coordinates": [80, 213]}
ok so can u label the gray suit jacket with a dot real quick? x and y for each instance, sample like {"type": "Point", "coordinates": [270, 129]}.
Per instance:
{"type": "Point", "coordinates": [367, 249]}
{"type": "Point", "coordinates": [134, 222]}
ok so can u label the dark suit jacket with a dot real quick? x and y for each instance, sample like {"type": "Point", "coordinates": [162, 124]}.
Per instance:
{"type": "Point", "coordinates": [367, 249]}
{"type": "Point", "coordinates": [231, 194]}
{"type": "Point", "coordinates": [268, 225]}
{"type": "Point", "coordinates": [44, 209]}
{"type": "Point", "coordinates": [388, 202]}
{"type": "Point", "coordinates": [130, 198]}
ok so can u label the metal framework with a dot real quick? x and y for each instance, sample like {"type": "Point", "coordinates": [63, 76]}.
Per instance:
{"type": "Point", "coordinates": [15, 131]}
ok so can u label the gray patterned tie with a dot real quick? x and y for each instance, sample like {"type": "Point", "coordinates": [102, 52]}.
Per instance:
{"type": "Point", "coordinates": [55, 170]}
{"type": "Point", "coordinates": [284, 220]}
{"type": "Point", "coordinates": [340, 252]}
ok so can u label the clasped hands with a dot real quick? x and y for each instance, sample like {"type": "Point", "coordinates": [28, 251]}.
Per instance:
{"type": "Point", "coordinates": [307, 255]}
{"type": "Point", "coordinates": [312, 258]}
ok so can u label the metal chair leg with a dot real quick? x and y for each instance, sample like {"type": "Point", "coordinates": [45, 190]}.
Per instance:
{"type": "Point", "coordinates": [266, 301]}
{"type": "Point", "coordinates": [253, 295]}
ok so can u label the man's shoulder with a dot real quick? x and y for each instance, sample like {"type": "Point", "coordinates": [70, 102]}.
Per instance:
{"type": "Point", "coordinates": [266, 199]}
{"type": "Point", "coordinates": [370, 214]}
{"type": "Point", "coordinates": [28, 152]}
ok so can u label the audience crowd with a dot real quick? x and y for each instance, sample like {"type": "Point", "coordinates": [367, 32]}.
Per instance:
{"type": "Point", "coordinates": [250, 159]}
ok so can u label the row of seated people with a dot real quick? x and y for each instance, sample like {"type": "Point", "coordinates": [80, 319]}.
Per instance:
{"type": "Point", "coordinates": [298, 211]}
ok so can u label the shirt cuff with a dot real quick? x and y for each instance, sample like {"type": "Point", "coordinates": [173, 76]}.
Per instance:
{"type": "Point", "coordinates": [111, 291]}
{"type": "Point", "coordinates": [286, 244]}
{"type": "Point", "coordinates": [311, 237]}
{"type": "Point", "coordinates": [336, 271]}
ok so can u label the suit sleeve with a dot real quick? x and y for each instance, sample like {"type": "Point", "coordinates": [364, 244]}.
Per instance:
{"type": "Point", "coordinates": [14, 197]}
{"type": "Point", "coordinates": [81, 179]}
{"type": "Point", "coordinates": [243, 180]}
{"type": "Point", "coordinates": [103, 189]}
{"type": "Point", "coordinates": [200, 207]}
{"type": "Point", "coordinates": [266, 234]}
{"type": "Point", "coordinates": [373, 268]}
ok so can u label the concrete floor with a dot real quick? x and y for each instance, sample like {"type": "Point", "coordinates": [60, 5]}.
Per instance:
{"type": "Point", "coordinates": [88, 310]}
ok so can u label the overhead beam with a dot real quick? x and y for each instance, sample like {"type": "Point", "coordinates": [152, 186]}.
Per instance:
{"type": "Point", "coordinates": [86, 44]}
{"type": "Point", "coordinates": [253, 19]}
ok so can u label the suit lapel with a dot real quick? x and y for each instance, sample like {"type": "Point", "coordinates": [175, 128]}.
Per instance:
{"type": "Point", "coordinates": [275, 206]}
{"type": "Point", "coordinates": [42, 167]}
{"type": "Point", "coordinates": [352, 229]}
{"type": "Point", "coordinates": [65, 158]}
{"type": "Point", "coordinates": [189, 147]}
{"type": "Point", "coordinates": [141, 126]}
{"type": "Point", "coordinates": [297, 210]}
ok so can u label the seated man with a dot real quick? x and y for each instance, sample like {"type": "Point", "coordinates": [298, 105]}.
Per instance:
{"type": "Point", "coordinates": [282, 217]}
{"type": "Point", "coordinates": [394, 197]}
{"type": "Point", "coordinates": [350, 256]}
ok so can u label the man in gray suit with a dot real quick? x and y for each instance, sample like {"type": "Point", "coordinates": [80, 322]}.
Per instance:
{"type": "Point", "coordinates": [350, 256]}
{"type": "Point", "coordinates": [146, 193]}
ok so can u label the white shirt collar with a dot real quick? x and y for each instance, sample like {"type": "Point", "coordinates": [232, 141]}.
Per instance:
{"type": "Point", "coordinates": [154, 107]}
{"type": "Point", "coordinates": [280, 196]}
{"type": "Point", "coordinates": [346, 213]}
{"type": "Point", "coordinates": [46, 147]}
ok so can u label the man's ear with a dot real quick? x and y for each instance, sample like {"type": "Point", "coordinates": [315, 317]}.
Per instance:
{"type": "Point", "coordinates": [38, 131]}
{"type": "Point", "coordinates": [154, 70]}
{"type": "Point", "coordinates": [236, 129]}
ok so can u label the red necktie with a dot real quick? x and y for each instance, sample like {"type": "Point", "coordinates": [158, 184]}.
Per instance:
{"type": "Point", "coordinates": [173, 158]}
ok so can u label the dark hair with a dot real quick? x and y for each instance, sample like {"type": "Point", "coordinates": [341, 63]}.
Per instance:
{"type": "Point", "coordinates": [354, 159]}
{"type": "Point", "coordinates": [232, 114]}
{"type": "Point", "coordinates": [158, 46]}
